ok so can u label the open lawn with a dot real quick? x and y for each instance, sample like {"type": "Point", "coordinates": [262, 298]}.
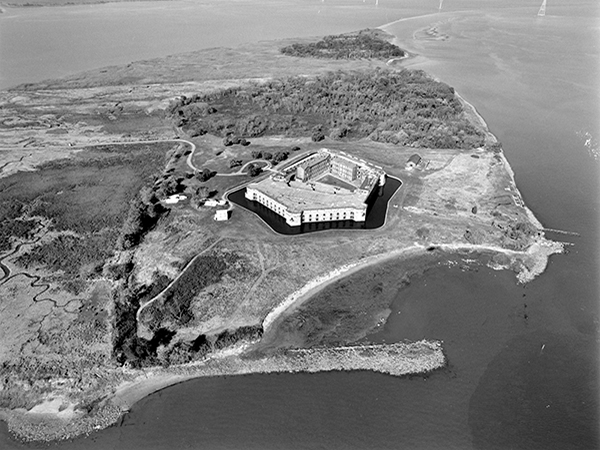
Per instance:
{"type": "Point", "coordinates": [283, 264]}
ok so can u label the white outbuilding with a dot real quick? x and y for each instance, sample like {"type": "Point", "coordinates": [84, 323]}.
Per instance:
{"type": "Point", "coordinates": [221, 215]}
{"type": "Point", "coordinates": [171, 200]}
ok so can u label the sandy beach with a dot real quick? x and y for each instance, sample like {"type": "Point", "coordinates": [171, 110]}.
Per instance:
{"type": "Point", "coordinates": [537, 256]}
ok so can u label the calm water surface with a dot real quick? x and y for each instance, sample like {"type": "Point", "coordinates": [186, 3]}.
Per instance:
{"type": "Point", "coordinates": [534, 81]}
{"type": "Point", "coordinates": [42, 43]}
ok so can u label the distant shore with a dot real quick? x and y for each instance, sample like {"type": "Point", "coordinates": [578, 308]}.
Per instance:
{"type": "Point", "coordinates": [55, 3]}
{"type": "Point", "coordinates": [51, 421]}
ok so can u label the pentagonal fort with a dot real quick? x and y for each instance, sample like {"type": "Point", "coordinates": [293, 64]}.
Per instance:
{"type": "Point", "coordinates": [323, 186]}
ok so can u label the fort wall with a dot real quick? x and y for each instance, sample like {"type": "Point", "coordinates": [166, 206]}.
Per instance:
{"type": "Point", "coordinates": [296, 194]}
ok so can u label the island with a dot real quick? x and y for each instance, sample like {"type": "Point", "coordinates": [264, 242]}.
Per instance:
{"type": "Point", "coordinates": [125, 268]}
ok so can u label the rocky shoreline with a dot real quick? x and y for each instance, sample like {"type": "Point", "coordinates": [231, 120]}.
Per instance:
{"type": "Point", "coordinates": [398, 359]}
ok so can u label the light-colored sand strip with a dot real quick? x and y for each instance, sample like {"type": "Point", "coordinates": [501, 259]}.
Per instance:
{"type": "Point", "coordinates": [394, 359]}
{"type": "Point", "coordinates": [537, 255]}
{"type": "Point", "coordinates": [317, 284]}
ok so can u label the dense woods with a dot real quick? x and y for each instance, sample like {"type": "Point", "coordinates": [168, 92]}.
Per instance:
{"type": "Point", "coordinates": [365, 44]}
{"type": "Point", "coordinates": [401, 107]}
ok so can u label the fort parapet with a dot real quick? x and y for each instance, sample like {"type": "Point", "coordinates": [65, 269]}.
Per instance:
{"type": "Point", "coordinates": [325, 186]}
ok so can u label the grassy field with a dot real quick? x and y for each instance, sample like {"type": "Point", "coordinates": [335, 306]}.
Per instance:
{"type": "Point", "coordinates": [216, 68]}
{"type": "Point", "coordinates": [282, 264]}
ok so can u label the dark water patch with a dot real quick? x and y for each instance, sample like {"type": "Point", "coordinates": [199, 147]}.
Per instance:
{"type": "Point", "coordinates": [340, 410]}
{"type": "Point", "coordinates": [349, 309]}
{"type": "Point", "coordinates": [539, 392]}
{"type": "Point", "coordinates": [376, 212]}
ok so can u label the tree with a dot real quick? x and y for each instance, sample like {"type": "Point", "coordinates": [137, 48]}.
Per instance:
{"type": "Point", "coordinates": [280, 156]}
{"type": "Point", "coordinates": [235, 163]}
{"type": "Point", "coordinates": [144, 212]}
{"type": "Point", "coordinates": [169, 187]}
{"type": "Point", "coordinates": [317, 133]}
{"type": "Point", "coordinates": [256, 154]}
{"type": "Point", "coordinates": [202, 193]}
{"type": "Point", "coordinates": [205, 175]}
{"type": "Point", "coordinates": [267, 155]}
{"type": "Point", "coordinates": [254, 170]}
{"type": "Point", "coordinates": [231, 139]}
{"type": "Point", "coordinates": [495, 147]}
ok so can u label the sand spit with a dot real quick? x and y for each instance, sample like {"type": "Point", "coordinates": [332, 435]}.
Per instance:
{"type": "Point", "coordinates": [317, 284]}
{"type": "Point", "coordinates": [393, 359]}
{"type": "Point", "coordinates": [527, 264]}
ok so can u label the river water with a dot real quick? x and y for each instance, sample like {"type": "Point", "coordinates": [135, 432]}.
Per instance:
{"type": "Point", "coordinates": [523, 360]}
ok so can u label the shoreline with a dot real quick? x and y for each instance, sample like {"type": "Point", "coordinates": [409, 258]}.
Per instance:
{"type": "Point", "coordinates": [539, 251]}
{"type": "Point", "coordinates": [8, 5]}
{"type": "Point", "coordinates": [316, 285]}
{"type": "Point", "coordinates": [49, 423]}
{"type": "Point", "coordinates": [146, 382]}
{"type": "Point", "coordinates": [232, 363]}
{"type": "Point", "coordinates": [397, 359]}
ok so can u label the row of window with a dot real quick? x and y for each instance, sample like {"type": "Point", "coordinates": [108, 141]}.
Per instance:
{"type": "Point", "coordinates": [307, 216]}
{"type": "Point", "coordinates": [332, 216]}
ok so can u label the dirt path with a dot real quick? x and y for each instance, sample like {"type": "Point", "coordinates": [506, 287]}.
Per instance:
{"type": "Point", "coordinates": [156, 297]}
{"type": "Point", "coordinates": [241, 171]}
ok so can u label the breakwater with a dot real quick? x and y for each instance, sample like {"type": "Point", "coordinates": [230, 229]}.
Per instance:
{"type": "Point", "coordinates": [396, 359]}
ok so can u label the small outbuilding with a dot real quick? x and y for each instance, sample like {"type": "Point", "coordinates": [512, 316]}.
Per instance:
{"type": "Point", "coordinates": [221, 215]}
{"type": "Point", "coordinates": [173, 199]}
{"type": "Point", "coordinates": [413, 161]}
{"type": "Point", "coordinates": [213, 202]}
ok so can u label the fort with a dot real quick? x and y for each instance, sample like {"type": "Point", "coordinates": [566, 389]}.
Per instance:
{"type": "Point", "coordinates": [324, 186]}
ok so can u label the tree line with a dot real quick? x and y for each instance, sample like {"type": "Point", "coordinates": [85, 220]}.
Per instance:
{"type": "Point", "coordinates": [344, 46]}
{"type": "Point", "coordinates": [402, 107]}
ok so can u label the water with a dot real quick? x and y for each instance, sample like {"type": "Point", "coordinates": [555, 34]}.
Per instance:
{"type": "Point", "coordinates": [534, 81]}
{"type": "Point", "coordinates": [42, 43]}
{"type": "Point", "coordinates": [376, 212]}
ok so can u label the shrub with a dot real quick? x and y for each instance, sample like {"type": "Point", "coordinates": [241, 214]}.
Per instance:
{"type": "Point", "coordinates": [205, 175]}
{"type": "Point", "coordinates": [280, 156]}
{"type": "Point", "coordinates": [254, 170]}
{"type": "Point", "coordinates": [317, 134]}
{"type": "Point", "coordinates": [231, 139]}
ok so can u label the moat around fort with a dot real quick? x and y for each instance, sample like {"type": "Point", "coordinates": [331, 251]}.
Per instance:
{"type": "Point", "coordinates": [377, 205]}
